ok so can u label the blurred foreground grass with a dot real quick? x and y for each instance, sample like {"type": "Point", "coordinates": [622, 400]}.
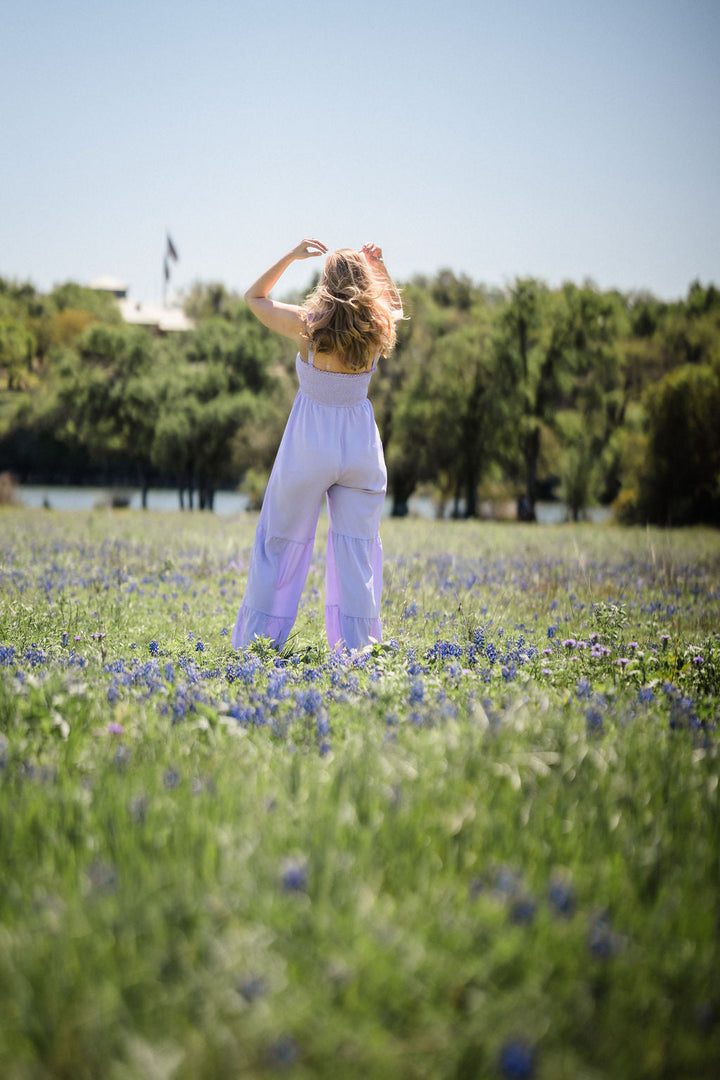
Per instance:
{"type": "Point", "coordinates": [491, 847]}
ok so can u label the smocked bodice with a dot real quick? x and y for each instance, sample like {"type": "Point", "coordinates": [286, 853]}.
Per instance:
{"type": "Point", "coordinates": [333, 387]}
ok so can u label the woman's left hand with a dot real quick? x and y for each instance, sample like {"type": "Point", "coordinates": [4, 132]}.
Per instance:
{"type": "Point", "coordinates": [307, 248]}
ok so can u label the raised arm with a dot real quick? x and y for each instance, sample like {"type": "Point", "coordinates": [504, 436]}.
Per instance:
{"type": "Point", "coordinates": [374, 256]}
{"type": "Point", "coordinates": [285, 319]}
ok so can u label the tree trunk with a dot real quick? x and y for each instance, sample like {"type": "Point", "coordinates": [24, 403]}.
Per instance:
{"type": "Point", "coordinates": [402, 488]}
{"type": "Point", "coordinates": [470, 489]}
{"type": "Point", "coordinates": [144, 487]}
{"type": "Point", "coordinates": [532, 453]}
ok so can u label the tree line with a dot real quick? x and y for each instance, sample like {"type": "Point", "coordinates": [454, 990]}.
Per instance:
{"type": "Point", "coordinates": [594, 396]}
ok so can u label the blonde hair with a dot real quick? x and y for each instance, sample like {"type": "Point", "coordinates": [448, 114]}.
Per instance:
{"type": "Point", "coordinates": [348, 312]}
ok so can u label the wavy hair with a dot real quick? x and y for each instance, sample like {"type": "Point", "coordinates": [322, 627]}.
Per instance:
{"type": "Point", "coordinates": [348, 312]}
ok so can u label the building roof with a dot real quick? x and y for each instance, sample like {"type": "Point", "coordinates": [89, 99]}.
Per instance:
{"type": "Point", "coordinates": [166, 320]}
{"type": "Point", "coordinates": [107, 283]}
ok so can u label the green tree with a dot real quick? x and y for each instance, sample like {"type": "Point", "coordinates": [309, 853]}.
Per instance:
{"type": "Point", "coordinates": [405, 405]}
{"type": "Point", "coordinates": [101, 305]}
{"type": "Point", "coordinates": [17, 352]}
{"type": "Point", "coordinates": [680, 479]}
{"type": "Point", "coordinates": [108, 400]}
{"type": "Point", "coordinates": [533, 370]}
{"type": "Point", "coordinates": [598, 394]}
{"type": "Point", "coordinates": [449, 417]}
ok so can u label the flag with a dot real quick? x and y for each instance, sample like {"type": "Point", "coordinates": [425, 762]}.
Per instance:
{"type": "Point", "coordinates": [171, 250]}
{"type": "Point", "coordinates": [166, 267]}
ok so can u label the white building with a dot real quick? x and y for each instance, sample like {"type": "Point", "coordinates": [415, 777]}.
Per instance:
{"type": "Point", "coordinates": [162, 320]}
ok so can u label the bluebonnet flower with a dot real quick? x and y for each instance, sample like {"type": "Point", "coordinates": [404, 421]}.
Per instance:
{"type": "Point", "coordinates": [552, 631]}
{"type": "Point", "coordinates": [443, 650]}
{"type": "Point", "coordinates": [283, 1052]}
{"type": "Point", "coordinates": [417, 692]}
{"type": "Point", "coordinates": [583, 688]}
{"type": "Point", "coordinates": [252, 987]}
{"type": "Point", "coordinates": [154, 648]}
{"type": "Point", "coordinates": [199, 647]}
{"type": "Point", "coordinates": [294, 875]}
{"type": "Point", "coordinates": [603, 942]}
{"type": "Point", "coordinates": [646, 695]}
{"type": "Point", "coordinates": [562, 898]}
{"type": "Point", "coordinates": [522, 910]}
{"type": "Point", "coordinates": [171, 779]}
{"type": "Point", "coordinates": [309, 701]}
{"type": "Point", "coordinates": [506, 881]}
{"type": "Point", "coordinates": [594, 720]}
{"type": "Point", "coordinates": [517, 1061]}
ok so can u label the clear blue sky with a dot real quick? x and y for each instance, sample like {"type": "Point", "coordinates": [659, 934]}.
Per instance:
{"type": "Point", "coordinates": [560, 138]}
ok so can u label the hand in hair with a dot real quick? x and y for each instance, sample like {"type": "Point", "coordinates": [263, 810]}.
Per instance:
{"type": "Point", "coordinates": [372, 252]}
{"type": "Point", "coordinates": [374, 256]}
{"type": "Point", "coordinates": [306, 249]}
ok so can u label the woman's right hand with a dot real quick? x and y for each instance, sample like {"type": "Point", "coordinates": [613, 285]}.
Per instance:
{"type": "Point", "coordinates": [307, 249]}
{"type": "Point", "coordinates": [373, 253]}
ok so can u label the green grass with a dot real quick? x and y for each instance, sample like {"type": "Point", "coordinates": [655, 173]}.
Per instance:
{"type": "Point", "coordinates": [486, 848]}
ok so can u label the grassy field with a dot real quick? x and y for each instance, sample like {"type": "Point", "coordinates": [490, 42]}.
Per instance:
{"type": "Point", "coordinates": [488, 848]}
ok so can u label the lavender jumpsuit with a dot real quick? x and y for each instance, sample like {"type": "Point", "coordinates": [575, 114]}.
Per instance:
{"type": "Point", "coordinates": [331, 446]}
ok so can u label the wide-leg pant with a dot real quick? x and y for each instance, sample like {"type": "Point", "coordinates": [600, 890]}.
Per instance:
{"type": "Point", "coordinates": [333, 451]}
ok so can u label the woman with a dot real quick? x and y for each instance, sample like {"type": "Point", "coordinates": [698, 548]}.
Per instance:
{"type": "Point", "coordinates": [331, 447]}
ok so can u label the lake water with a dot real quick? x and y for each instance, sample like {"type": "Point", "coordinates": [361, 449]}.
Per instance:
{"type": "Point", "coordinates": [231, 502]}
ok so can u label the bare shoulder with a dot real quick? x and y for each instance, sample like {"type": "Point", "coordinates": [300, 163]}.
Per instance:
{"type": "Point", "coordinates": [285, 319]}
